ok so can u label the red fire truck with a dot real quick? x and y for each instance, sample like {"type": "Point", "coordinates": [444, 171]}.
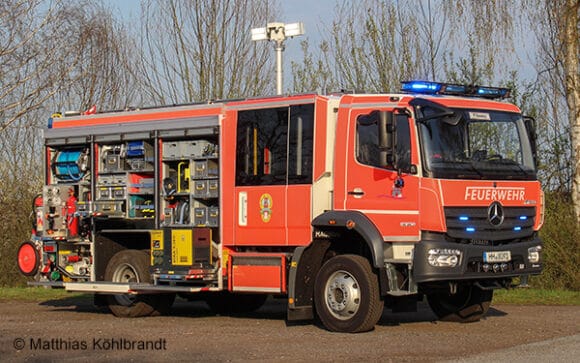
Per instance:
{"type": "Point", "coordinates": [341, 203]}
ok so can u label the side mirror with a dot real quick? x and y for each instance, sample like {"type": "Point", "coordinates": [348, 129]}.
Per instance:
{"type": "Point", "coordinates": [530, 124]}
{"type": "Point", "coordinates": [386, 138]}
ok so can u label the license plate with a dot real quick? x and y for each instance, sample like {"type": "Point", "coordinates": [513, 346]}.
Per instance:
{"type": "Point", "coordinates": [497, 256]}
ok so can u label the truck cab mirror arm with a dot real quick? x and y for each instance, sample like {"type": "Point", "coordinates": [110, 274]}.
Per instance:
{"type": "Point", "coordinates": [530, 124]}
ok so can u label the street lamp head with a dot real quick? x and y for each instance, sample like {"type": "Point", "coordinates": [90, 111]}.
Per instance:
{"type": "Point", "coordinates": [259, 34]}
{"type": "Point", "coordinates": [278, 32]}
{"type": "Point", "coordinates": [294, 29]}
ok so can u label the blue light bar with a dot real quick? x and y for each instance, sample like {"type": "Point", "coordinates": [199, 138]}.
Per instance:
{"type": "Point", "coordinates": [523, 218]}
{"type": "Point", "coordinates": [517, 228]}
{"type": "Point", "coordinates": [433, 88]}
{"type": "Point", "coordinates": [455, 89]}
{"type": "Point", "coordinates": [421, 87]}
{"type": "Point", "coordinates": [463, 218]}
{"type": "Point", "coordinates": [470, 229]}
{"type": "Point", "coordinates": [492, 92]}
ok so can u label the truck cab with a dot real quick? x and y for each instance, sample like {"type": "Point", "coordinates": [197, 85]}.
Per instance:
{"type": "Point", "coordinates": [438, 186]}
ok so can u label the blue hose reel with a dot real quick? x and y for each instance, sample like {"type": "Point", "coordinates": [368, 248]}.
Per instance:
{"type": "Point", "coordinates": [70, 164]}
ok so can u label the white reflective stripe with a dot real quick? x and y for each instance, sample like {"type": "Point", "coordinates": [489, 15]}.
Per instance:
{"type": "Point", "coordinates": [441, 194]}
{"type": "Point", "coordinates": [256, 289]}
{"type": "Point", "coordinates": [391, 212]}
{"type": "Point", "coordinates": [381, 105]}
{"type": "Point", "coordinates": [413, 238]}
{"type": "Point", "coordinates": [97, 287]}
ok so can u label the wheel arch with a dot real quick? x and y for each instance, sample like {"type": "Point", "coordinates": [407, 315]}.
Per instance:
{"type": "Point", "coordinates": [350, 224]}
{"type": "Point", "coordinates": [334, 233]}
{"type": "Point", "coordinates": [109, 243]}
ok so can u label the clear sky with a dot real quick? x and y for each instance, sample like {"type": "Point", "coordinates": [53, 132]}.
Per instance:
{"type": "Point", "coordinates": [315, 14]}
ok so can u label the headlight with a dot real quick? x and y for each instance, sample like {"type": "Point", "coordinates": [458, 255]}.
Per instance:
{"type": "Point", "coordinates": [534, 254]}
{"type": "Point", "coordinates": [443, 257]}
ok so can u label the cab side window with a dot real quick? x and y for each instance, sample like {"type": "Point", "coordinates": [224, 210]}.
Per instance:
{"type": "Point", "coordinates": [367, 141]}
{"type": "Point", "coordinates": [403, 143]}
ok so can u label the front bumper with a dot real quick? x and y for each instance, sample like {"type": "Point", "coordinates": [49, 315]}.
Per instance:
{"type": "Point", "coordinates": [471, 264]}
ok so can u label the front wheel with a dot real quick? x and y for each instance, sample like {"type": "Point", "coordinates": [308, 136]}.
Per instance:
{"type": "Point", "coordinates": [468, 304]}
{"type": "Point", "coordinates": [129, 266]}
{"type": "Point", "coordinates": [346, 295]}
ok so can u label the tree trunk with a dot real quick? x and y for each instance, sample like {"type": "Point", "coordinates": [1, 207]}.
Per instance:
{"type": "Point", "coordinates": [572, 84]}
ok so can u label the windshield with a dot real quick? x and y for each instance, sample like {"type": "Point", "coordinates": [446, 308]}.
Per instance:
{"type": "Point", "coordinates": [475, 144]}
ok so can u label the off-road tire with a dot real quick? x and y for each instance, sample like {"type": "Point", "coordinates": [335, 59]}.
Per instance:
{"type": "Point", "coordinates": [133, 266]}
{"type": "Point", "coordinates": [346, 295]}
{"type": "Point", "coordinates": [468, 304]}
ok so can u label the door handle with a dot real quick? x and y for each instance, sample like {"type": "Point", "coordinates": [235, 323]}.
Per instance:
{"type": "Point", "coordinates": [357, 192]}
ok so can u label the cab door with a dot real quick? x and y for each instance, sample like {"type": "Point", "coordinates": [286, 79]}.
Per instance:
{"type": "Point", "coordinates": [380, 180]}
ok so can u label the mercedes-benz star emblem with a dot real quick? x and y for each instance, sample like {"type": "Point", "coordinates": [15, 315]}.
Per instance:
{"type": "Point", "coordinates": [495, 214]}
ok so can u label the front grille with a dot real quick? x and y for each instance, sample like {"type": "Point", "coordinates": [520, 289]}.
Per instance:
{"type": "Point", "coordinates": [472, 225]}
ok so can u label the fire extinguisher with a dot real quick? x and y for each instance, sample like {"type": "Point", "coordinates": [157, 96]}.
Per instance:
{"type": "Point", "coordinates": [72, 221]}
{"type": "Point", "coordinates": [37, 216]}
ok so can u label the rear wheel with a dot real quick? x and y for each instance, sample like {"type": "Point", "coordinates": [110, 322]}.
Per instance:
{"type": "Point", "coordinates": [468, 304]}
{"type": "Point", "coordinates": [132, 266]}
{"type": "Point", "coordinates": [346, 295]}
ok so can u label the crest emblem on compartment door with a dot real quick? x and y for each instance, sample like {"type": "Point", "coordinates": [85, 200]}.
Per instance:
{"type": "Point", "coordinates": [266, 207]}
{"type": "Point", "coordinates": [495, 214]}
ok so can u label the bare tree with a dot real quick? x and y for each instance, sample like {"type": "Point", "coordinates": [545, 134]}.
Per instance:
{"type": "Point", "coordinates": [570, 35]}
{"type": "Point", "coordinates": [314, 72]}
{"type": "Point", "coordinates": [25, 85]}
{"type": "Point", "coordinates": [432, 32]}
{"type": "Point", "coordinates": [26, 63]}
{"type": "Point", "coordinates": [199, 50]}
{"type": "Point", "coordinates": [557, 28]}
{"type": "Point", "coordinates": [53, 55]}
{"type": "Point", "coordinates": [104, 57]}
{"type": "Point", "coordinates": [374, 45]}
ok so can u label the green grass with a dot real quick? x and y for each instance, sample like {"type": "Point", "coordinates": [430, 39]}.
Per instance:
{"type": "Point", "coordinates": [36, 294]}
{"type": "Point", "coordinates": [524, 296]}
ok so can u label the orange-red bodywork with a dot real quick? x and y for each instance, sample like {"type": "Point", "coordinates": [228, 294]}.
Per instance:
{"type": "Point", "coordinates": [260, 216]}
{"type": "Point", "coordinates": [399, 218]}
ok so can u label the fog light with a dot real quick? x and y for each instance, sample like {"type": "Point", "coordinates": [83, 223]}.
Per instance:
{"type": "Point", "coordinates": [504, 267]}
{"type": "Point", "coordinates": [443, 257]}
{"type": "Point", "coordinates": [495, 267]}
{"type": "Point", "coordinates": [486, 267]}
{"type": "Point", "coordinates": [534, 254]}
